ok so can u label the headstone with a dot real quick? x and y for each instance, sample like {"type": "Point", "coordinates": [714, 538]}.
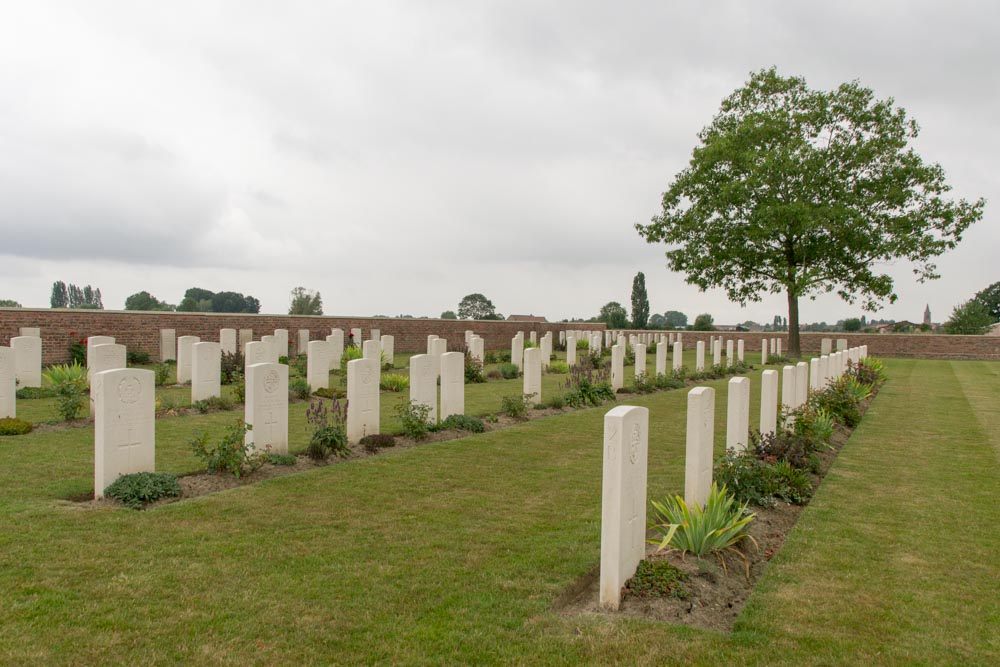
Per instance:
{"type": "Point", "coordinates": [661, 358]}
{"type": "Point", "coordinates": [273, 352]}
{"type": "Point", "coordinates": [336, 341]}
{"type": "Point", "coordinates": [438, 348]}
{"type": "Point", "coordinates": [281, 342]}
{"type": "Point", "coordinates": [699, 356]}
{"type": "Point", "coordinates": [739, 350]}
{"type": "Point", "coordinates": [423, 383]}
{"type": "Point", "coordinates": [777, 346]}
{"type": "Point", "coordinates": [246, 337]}
{"type": "Point", "coordinates": [617, 367]}
{"type": "Point", "coordinates": [476, 348]}
{"type": "Point", "coordinates": [92, 342]}
{"type": "Point", "coordinates": [768, 402]}
{"type": "Point", "coordinates": [318, 365]}
{"type": "Point", "coordinates": [841, 344]}
{"type": "Point", "coordinates": [302, 342]}
{"type": "Point", "coordinates": [562, 337]}
{"type": "Point", "coordinates": [801, 383]}
{"type": "Point", "coordinates": [546, 347]}
{"type": "Point", "coordinates": [227, 341]}
{"type": "Point", "coordinates": [375, 335]}
{"type": "Point", "coordinates": [27, 360]}
{"type": "Point", "coordinates": [640, 360]}
{"type": "Point", "coordinates": [788, 392]}
{"type": "Point", "coordinates": [570, 350]}
{"type": "Point", "coordinates": [729, 352]}
{"type": "Point", "coordinates": [206, 368]}
{"type": "Point", "coordinates": [863, 354]}
{"type": "Point", "coordinates": [8, 384]}
{"type": "Point", "coordinates": [452, 384]}
{"type": "Point", "coordinates": [468, 337]}
{"type": "Point", "coordinates": [430, 343]}
{"type": "Point", "coordinates": [763, 352]}
{"type": "Point", "coordinates": [388, 345]}
{"type": "Point", "coordinates": [825, 346]}
{"type": "Point", "coordinates": [370, 349]}
{"type": "Point", "coordinates": [533, 373]}
{"type": "Point", "coordinates": [106, 357]}
{"type": "Point", "coordinates": [257, 352]}
{"type": "Point", "coordinates": [517, 351]}
{"type": "Point", "coordinates": [814, 377]}
{"type": "Point", "coordinates": [824, 372]}
{"type": "Point", "coordinates": [29, 331]}
{"type": "Point", "coordinates": [717, 352]}
{"type": "Point", "coordinates": [678, 356]}
{"type": "Point", "coordinates": [362, 398]}
{"type": "Point", "coordinates": [168, 344]}
{"type": "Point", "coordinates": [738, 414]}
{"type": "Point", "coordinates": [700, 441]}
{"type": "Point", "coordinates": [124, 433]}
{"type": "Point", "coordinates": [266, 407]}
{"type": "Point", "coordinates": [184, 345]}
{"type": "Point", "coordinates": [355, 337]}
{"type": "Point", "coordinates": [533, 337]}
{"type": "Point", "coordinates": [623, 499]}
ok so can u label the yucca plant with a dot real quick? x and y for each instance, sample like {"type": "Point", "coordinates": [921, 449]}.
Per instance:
{"type": "Point", "coordinates": [716, 529]}
{"type": "Point", "coordinates": [822, 425]}
{"type": "Point", "coordinates": [351, 353]}
{"type": "Point", "coordinates": [69, 381]}
{"type": "Point", "coordinates": [62, 374]}
{"type": "Point", "coordinates": [859, 390]}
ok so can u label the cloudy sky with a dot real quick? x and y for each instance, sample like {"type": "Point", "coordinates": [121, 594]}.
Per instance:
{"type": "Point", "coordinates": [396, 156]}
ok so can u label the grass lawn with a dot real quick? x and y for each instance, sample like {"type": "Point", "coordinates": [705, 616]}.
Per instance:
{"type": "Point", "coordinates": [453, 553]}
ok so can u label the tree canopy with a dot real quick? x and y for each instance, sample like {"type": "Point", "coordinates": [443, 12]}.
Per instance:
{"type": "Point", "coordinates": [971, 318]}
{"type": "Point", "coordinates": [703, 322]}
{"type": "Point", "coordinates": [305, 302]}
{"type": "Point", "coordinates": [197, 299]}
{"type": "Point", "coordinates": [990, 298]}
{"type": "Point", "coordinates": [74, 296]}
{"type": "Point", "coordinates": [146, 301]}
{"type": "Point", "coordinates": [477, 307]}
{"type": "Point", "coordinates": [802, 192]}
{"type": "Point", "coordinates": [613, 314]}
{"type": "Point", "coordinates": [9, 303]}
{"type": "Point", "coordinates": [640, 302]}
{"type": "Point", "coordinates": [674, 319]}
{"type": "Point", "coordinates": [449, 315]}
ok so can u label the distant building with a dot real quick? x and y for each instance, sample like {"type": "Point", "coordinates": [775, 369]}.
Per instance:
{"type": "Point", "coordinates": [903, 326]}
{"type": "Point", "coordinates": [526, 318]}
{"type": "Point", "coordinates": [927, 315]}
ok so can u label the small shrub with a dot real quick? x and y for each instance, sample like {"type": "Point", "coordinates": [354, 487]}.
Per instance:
{"type": "Point", "coordinates": [351, 352]}
{"type": "Point", "coordinates": [376, 441]}
{"type": "Point", "coordinates": [161, 373]}
{"type": "Point", "coordinates": [213, 404]}
{"type": "Point", "coordinates": [230, 454]}
{"type": "Point", "coordinates": [282, 359]}
{"type": "Point", "coordinates": [528, 344]}
{"type": "Point", "coordinates": [668, 382]}
{"type": "Point", "coordinates": [413, 417]}
{"type": "Point", "coordinates": [299, 388]}
{"type": "Point", "coordinates": [299, 365]}
{"type": "Point", "coordinates": [395, 382]}
{"type": "Point", "coordinates": [589, 383]}
{"type": "Point", "coordinates": [556, 401]}
{"type": "Point", "coordinates": [330, 392]}
{"type": "Point", "coordinates": [494, 374]}
{"type": "Point", "coordinates": [69, 382]}
{"type": "Point", "coordinates": [461, 423]}
{"type": "Point", "coordinates": [869, 371]}
{"type": "Point", "coordinates": [329, 426]}
{"type": "Point", "coordinates": [141, 488]}
{"type": "Point", "coordinates": [240, 387]}
{"type": "Point", "coordinates": [232, 364]}
{"type": "Point", "coordinates": [643, 384]}
{"type": "Point", "coordinates": [715, 529]}
{"type": "Point", "coordinates": [782, 446]}
{"type": "Point", "coordinates": [509, 371]}
{"type": "Point", "coordinates": [137, 358]}
{"type": "Point", "coordinates": [516, 406]}
{"type": "Point", "coordinates": [758, 482]}
{"type": "Point", "coordinates": [558, 367]}
{"type": "Point", "coordinates": [29, 393]}
{"type": "Point", "coordinates": [839, 400]}
{"type": "Point", "coordinates": [78, 351]}
{"type": "Point", "coordinates": [473, 370]}
{"type": "Point", "coordinates": [582, 345]}
{"type": "Point", "coordinates": [778, 359]}
{"type": "Point", "coordinates": [490, 357]}
{"type": "Point", "coordinates": [14, 426]}
{"type": "Point", "coordinates": [503, 356]}
{"type": "Point", "coordinates": [281, 459]}
{"type": "Point", "coordinates": [656, 578]}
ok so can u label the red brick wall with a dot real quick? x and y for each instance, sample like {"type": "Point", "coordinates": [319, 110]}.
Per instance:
{"type": "Point", "coordinates": [141, 330]}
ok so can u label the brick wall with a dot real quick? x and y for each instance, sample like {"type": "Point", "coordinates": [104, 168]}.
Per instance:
{"type": "Point", "coordinates": [141, 330]}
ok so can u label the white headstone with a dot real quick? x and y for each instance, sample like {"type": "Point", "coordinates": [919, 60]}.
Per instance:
{"type": "Point", "coordinates": [273, 353]}
{"type": "Point", "coordinates": [801, 383]}
{"type": "Point", "coordinates": [729, 352]}
{"type": "Point", "coordinates": [423, 383]}
{"type": "Point", "coordinates": [814, 377]}
{"type": "Point", "coordinates": [763, 352]}
{"type": "Point", "coordinates": [661, 358]}
{"type": "Point", "coordinates": [227, 341]}
{"type": "Point", "coordinates": [302, 342]}
{"type": "Point", "coordinates": [788, 391]}
{"type": "Point", "coordinates": [27, 360]}
{"type": "Point", "coordinates": [623, 499]}
{"type": "Point", "coordinates": [206, 368]}
{"type": "Point", "coordinates": [717, 352]}
{"type": "Point", "coordinates": [533, 337]}
{"type": "Point", "coordinates": [8, 385]}
{"type": "Point", "coordinates": [439, 346]}
{"type": "Point", "coordinates": [106, 357]}
{"type": "Point", "coordinates": [124, 433]}
{"type": "Point", "coordinates": [168, 344]}
{"type": "Point", "coordinates": [375, 334]}
{"type": "Point", "coordinates": [768, 402]}
{"type": "Point", "coordinates": [841, 344]}
{"type": "Point", "coordinates": [246, 337]}
{"type": "Point", "coordinates": [570, 350]}
{"type": "Point", "coordinates": [617, 366]}
{"type": "Point", "coordinates": [678, 355]}
{"type": "Point", "coordinates": [546, 347]}
{"type": "Point", "coordinates": [362, 398]}
{"type": "Point", "coordinates": [825, 346]}
{"type": "Point", "coordinates": [430, 343]}
{"type": "Point", "coordinates": [355, 337]}
{"type": "Point", "coordinates": [266, 407]}
{"type": "Point", "coordinates": [477, 348]}
{"type": "Point", "coordinates": [318, 365]}
{"type": "Point", "coordinates": [29, 331]}
{"type": "Point", "coordinates": [824, 372]}
{"type": "Point", "coordinates": [281, 342]}
{"type": "Point", "coordinates": [640, 360]}
{"type": "Point", "coordinates": [184, 344]}
{"type": "Point", "coordinates": [777, 346]}
{"type": "Point", "coordinates": [699, 448]}
{"type": "Point", "coordinates": [517, 351]}
{"type": "Point", "coordinates": [738, 414]}
{"type": "Point", "coordinates": [739, 350]}
{"type": "Point", "coordinates": [92, 342]}
{"type": "Point", "coordinates": [257, 352]}
{"type": "Point", "coordinates": [699, 356]}
{"type": "Point", "coordinates": [468, 337]}
{"type": "Point", "coordinates": [452, 384]}
{"type": "Point", "coordinates": [533, 373]}
{"type": "Point", "coordinates": [388, 345]}
{"type": "Point", "coordinates": [336, 341]}
{"type": "Point", "coordinates": [371, 349]}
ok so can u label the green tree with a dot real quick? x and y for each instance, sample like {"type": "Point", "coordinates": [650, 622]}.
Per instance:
{"type": "Point", "coordinates": [703, 322]}
{"type": "Point", "coordinates": [81, 297]}
{"type": "Point", "coordinates": [640, 302]}
{"type": "Point", "coordinates": [613, 314]}
{"type": "Point", "coordinates": [305, 302]}
{"type": "Point", "coordinates": [852, 324]}
{"type": "Point", "coordinates": [803, 192]}
{"type": "Point", "coordinates": [449, 315]}
{"type": "Point", "coordinates": [9, 303]}
{"type": "Point", "coordinates": [197, 300]}
{"type": "Point", "coordinates": [477, 307]}
{"type": "Point", "coordinates": [675, 319]}
{"type": "Point", "coordinates": [657, 321]}
{"type": "Point", "coordinates": [970, 318]}
{"type": "Point", "coordinates": [60, 296]}
{"type": "Point", "coordinates": [145, 301]}
{"type": "Point", "coordinates": [990, 297]}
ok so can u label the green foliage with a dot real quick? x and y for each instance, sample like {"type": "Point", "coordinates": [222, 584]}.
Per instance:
{"type": "Point", "coordinates": [414, 419]}
{"type": "Point", "coordinates": [28, 393]}
{"type": "Point", "coordinates": [376, 441]}
{"type": "Point", "coordinates": [656, 578]}
{"type": "Point", "coordinates": [60, 296]}
{"type": "Point", "coordinates": [230, 454]}
{"type": "Point", "coordinates": [516, 406]}
{"type": "Point", "coordinates": [491, 357]}
{"type": "Point", "coordinates": [703, 322]}
{"type": "Point", "coordinates": [213, 404]}
{"type": "Point", "coordinates": [806, 191]}
{"type": "Point", "coordinates": [477, 307]}
{"type": "Point", "coordinates": [589, 383]}
{"type": "Point", "coordinates": [330, 392]}
{"type": "Point", "coordinates": [852, 324]}
{"type": "Point", "coordinates": [643, 383]}
{"type": "Point", "coordinates": [716, 528]}
{"type": "Point", "coordinates": [305, 302]}
{"type": "Point", "coordinates": [556, 401]}
{"type": "Point", "coordinates": [582, 345]}
{"type": "Point", "coordinates": [558, 367]}
{"type": "Point", "coordinates": [509, 371]}
{"type": "Point", "coordinates": [790, 446]}
{"type": "Point", "coordinates": [473, 370]}
{"type": "Point", "coordinates": [640, 302]}
{"type": "Point", "coordinates": [137, 358]}
{"type": "Point", "coordinates": [613, 314]}
{"type": "Point", "coordinates": [69, 382]}
{"type": "Point", "coordinates": [161, 373]}
{"type": "Point", "coordinates": [146, 301]}
{"type": "Point", "coordinates": [240, 387]}
{"type": "Point", "coordinates": [9, 303]}
{"type": "Point", "coordinates": [870, 371]}
{"type": "Point", "coordinates": [351, 352]}
{"type": "Point", "coordinates": [298, 365]}
{"type": "Point", "coordinates": [281, 459]}
{"type": "Point", "coordinates": [971, 318]}
{"type": "Point", "coordinates": [329, 424]}
{"type": "Point", "coordinates": [78, 351]}
{"type": "Point", "coordinates": [197, 300]}
{"type": "Point", "coordinates": [299, 388]}
{"type": "Point", "coordinates": [138, 489]}
{"type": "Point", "coordinates": [674, 319]}
{"type": "Point", "coordinates": [395, 382]}
{"type": "Point", "coordinates": [14, 426]}
{"type": "Point", "coordinates": [990, 298]}
{"type": "Point", "coordinates": [231, 365]}
{"type": "Point", "coordinates": [449, 315]}
{"type": "Point", "coordinates": [460, 423]}
{"type": "Point", "coordinates": [73, 296]}
{"type": "Point", "coordinates": [756, 481]}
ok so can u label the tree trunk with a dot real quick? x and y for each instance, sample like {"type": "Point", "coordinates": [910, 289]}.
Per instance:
{"type": "Point", "coordinates": [794, 351]}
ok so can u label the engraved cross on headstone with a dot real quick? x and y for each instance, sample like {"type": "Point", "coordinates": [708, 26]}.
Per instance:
{"type": "Point", "coordinates": [270, 422]}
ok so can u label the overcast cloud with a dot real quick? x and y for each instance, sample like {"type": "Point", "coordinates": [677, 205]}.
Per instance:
{"type": "Point", "coordinates": [396, 156]}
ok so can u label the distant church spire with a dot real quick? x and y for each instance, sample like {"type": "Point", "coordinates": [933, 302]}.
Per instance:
{"type": "Point", "coordinates": [927, 314]}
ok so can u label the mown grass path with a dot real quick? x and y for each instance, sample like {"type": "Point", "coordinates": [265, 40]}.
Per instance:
{"type": "Point", "coordinates": [453, 553]}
